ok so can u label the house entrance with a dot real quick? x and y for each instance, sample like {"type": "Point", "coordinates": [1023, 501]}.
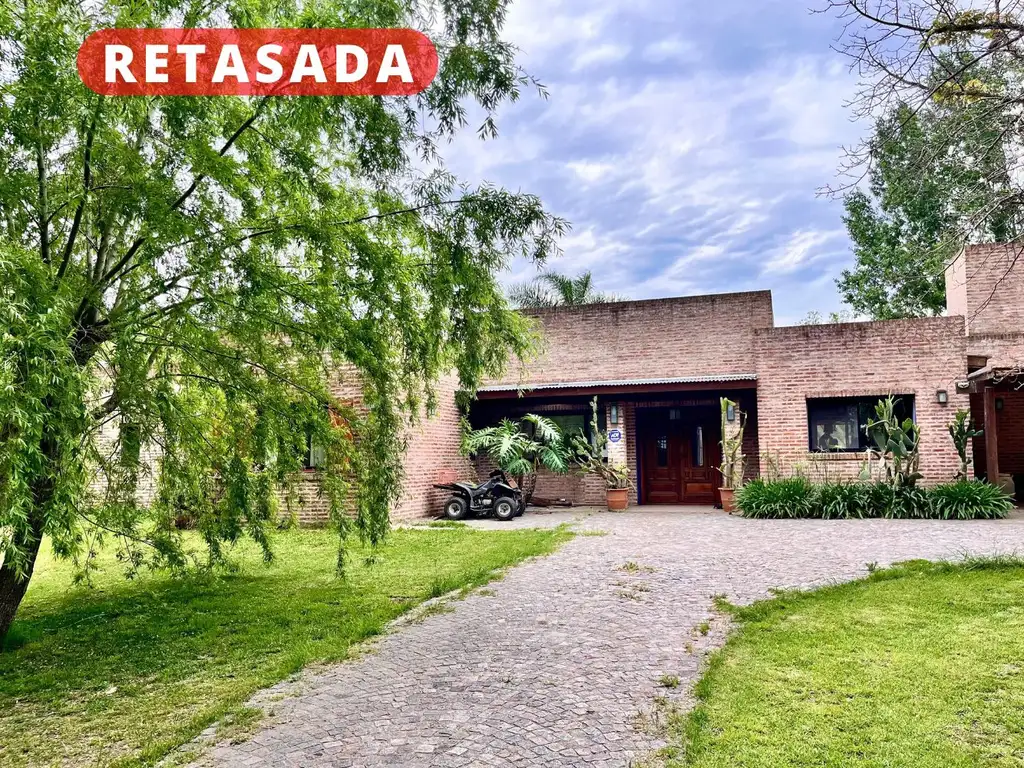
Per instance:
{"type": "Point", "coordinates": [679, 454]}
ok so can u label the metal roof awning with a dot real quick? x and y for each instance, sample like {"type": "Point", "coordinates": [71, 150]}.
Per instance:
{"type": "Point", "coordinates": [661, 384]}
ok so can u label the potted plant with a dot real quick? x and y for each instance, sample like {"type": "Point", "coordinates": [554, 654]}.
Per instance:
{"type": "Point", "coordinates": [589, 456]}
{"type": "Point", "coordinates": [732, 464]}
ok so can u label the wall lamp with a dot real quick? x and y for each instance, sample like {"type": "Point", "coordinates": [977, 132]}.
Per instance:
{"type": "Point", "coordinates": [730, 412]}
{"type": "Point", "coordinates": [614, 414]}
{"type": "Point", "coordinates": [942, 397]}
{"type": "Point", "coordinates": [999, 403]}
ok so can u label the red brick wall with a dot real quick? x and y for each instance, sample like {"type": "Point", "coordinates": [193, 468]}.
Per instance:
{"type": "Point", "coordinates": [1003, 350]}
{"type": "Point", "coordinates": [431, 455]}
{"type": "Point", "coordinates": [647, 339]}
{"type": "Point", "coordinates": [986, 284]}
{"type": "Point", "coordinates": [917, 357]}
{"type": "Point", "coordinates": [432, 452]}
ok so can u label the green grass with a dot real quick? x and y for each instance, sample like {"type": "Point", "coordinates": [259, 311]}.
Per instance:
{"type": "Point", "coordinates": [124, 672]}
{"type": "Point", "coordinates": [921, 665]}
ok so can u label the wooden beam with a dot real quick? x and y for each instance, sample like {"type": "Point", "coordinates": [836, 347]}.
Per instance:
{"type": "Point", "coordinates": [991, 437]}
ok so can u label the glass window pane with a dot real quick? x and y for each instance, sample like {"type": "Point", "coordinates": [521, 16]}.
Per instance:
{"type": "Point", "coordinates": [662, 451]}
{"type": "Point", "coordinates": [698, 447]}
{"type": "Point", "coordinates": [834, 427]}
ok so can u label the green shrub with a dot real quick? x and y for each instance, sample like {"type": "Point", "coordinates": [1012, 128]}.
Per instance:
{"type": "Point", "coordinates": [902, 503]}
{"type": "Point", "coordinates": [787, 498]}
{"type": "Point", "coordinates": [843, 501]}
{"type": "Point", "coordinates": [969, 500]}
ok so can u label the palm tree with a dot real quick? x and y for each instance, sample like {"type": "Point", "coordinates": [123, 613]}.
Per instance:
{"type": "Point", "coordinates": [551, 289]}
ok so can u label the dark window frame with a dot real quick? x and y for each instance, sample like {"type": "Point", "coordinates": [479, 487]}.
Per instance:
{"type": "Point", "coordinates": [865, 405]}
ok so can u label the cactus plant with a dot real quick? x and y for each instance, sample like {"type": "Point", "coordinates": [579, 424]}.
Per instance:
{"type": "Point", "coordinates": [962, 431]}
{"type": "Point", "coordinates": [897, 445]}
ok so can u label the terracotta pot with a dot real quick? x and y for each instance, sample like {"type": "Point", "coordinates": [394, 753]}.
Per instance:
{"type": "Point", "coordinates": [618, 499]}
{"type": "Point", "coordinates": [728, 499]}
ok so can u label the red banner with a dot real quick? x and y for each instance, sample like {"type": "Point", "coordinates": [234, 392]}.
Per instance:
{"type": "Point", "coordinates": [257, 62]}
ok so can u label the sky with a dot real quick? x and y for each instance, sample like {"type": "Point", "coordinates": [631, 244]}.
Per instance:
{"type": "Point", "coordinates": [685, 142]}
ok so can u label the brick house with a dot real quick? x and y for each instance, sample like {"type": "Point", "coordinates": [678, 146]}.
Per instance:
{"type": "Point", "coordinates": [658, 368]}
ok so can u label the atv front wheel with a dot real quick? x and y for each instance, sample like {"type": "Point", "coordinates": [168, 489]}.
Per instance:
{"type": "Point", "coordinates": [505, 509]}
{"type": "Point", "coordinates": [456, 508]}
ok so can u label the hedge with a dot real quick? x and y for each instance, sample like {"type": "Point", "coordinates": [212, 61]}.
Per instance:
{"type": "Point", "coordinates": [796, 497]}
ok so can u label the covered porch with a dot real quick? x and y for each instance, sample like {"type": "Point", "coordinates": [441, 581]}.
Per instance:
{"type": "Point", "coordinates": [667, 431]}
{"type": "Point", "coordinates": [997, 406]}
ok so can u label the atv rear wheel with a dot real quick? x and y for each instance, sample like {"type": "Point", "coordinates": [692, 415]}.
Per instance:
{"type": "Point", "coordinates": [505, 509]}
{"type": "Point", "coordinates": [456, 508]}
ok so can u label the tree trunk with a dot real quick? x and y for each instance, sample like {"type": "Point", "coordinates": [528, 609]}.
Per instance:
{"type": "Point", "coordinates": [12, 589]}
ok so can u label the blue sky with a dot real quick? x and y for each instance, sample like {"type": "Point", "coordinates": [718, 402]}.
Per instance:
{"type": "Point", "coordinates": [684, 141]}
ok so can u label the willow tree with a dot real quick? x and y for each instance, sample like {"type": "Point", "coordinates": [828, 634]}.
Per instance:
{"type": "Point", "coordinates": [192, 271]}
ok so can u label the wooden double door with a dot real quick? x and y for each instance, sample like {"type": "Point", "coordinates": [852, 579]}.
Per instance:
{"type": "Point", "coordinates": [679, 455]}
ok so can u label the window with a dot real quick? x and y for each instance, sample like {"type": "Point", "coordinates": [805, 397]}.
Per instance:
{"type": "Point", "coordinates": [698, 447]}
{"type": "Point", "coordinates": [571, 423]}
{"type": "Point", "coordinates": [315, 455]}
{"type": "Point", "coordinates": [840, 424]}
{"type": "Point", "coordinates": [663, 451]}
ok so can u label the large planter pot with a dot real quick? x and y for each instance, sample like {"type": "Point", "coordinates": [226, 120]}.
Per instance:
{"type": "Point", "coordinates": [728, 499]}
{"type": "Point", "coordinates": [618, 499]}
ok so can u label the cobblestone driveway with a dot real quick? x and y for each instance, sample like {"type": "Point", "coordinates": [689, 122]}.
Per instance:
{"type": "Point", "coordinates": [550, 666]}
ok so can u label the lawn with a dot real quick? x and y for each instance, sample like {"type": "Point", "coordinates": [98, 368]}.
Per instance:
{"type": "Point", "coordinates": [921, 665]}
{"type": "Point", "coordinates": [123, 672]}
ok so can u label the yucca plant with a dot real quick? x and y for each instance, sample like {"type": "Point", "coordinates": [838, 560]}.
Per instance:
{"type": "Point", "coordinates": [519, 453]}
{"type": "Point", "coordinates": [792, 497]}
{"type": "Point", "coordinates": [969, 500]}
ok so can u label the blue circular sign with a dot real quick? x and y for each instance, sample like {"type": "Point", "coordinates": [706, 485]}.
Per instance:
{"type": "Point", "coordinates": [615, 436]}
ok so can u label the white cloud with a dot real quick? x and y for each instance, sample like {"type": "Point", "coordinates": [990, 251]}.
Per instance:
{"type": "Point", "coordinates": [671, 49]}
{"type": "Point", "coordinates": [593, 56]}
{"type": "Point", "coordinates": [685, 145]}
{"type": "Point", "coordinates": [801, 248]}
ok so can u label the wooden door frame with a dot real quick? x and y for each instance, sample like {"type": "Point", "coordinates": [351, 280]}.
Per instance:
{"type": "Point", "coordinates": [646, 429]}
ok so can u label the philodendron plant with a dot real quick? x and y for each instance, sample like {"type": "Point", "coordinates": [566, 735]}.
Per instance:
{"type": "Point", "coordinates": [733, 459]}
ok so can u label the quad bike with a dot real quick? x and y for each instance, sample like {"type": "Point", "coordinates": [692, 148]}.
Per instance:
{"type": "Point", "coordinates": [497, 497]}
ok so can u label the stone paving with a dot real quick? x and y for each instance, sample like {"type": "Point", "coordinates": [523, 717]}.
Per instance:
{"type": "Point", "coordinates": [551, 665]}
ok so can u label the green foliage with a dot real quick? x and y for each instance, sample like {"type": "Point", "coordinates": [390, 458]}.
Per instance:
{"type": "Point", "coordinates": [796, 497]}
{"type": "Point", "coordinates": [522, 448]}
{"type": "Point", "coordinates": [843, 501]}
{"type": "Point", "coordinates": [197, 273]}
{"type": "Point", "coordinates": [970, 500]}
{"type": "Point", "coordinates": [590, 456]}
{"type": "Point", "coordinates": [962, 432]}
{"type": "Point", "coordinates": [124, 673]}
{"type": "Point", "coordinates": [938, 178]}
{"type": "Point", "coordinates": [552, 289]}
{"type": "Point", "coordinates": [899, 502]}
{"type": "Point", "coordinates": [791, 497]}
{"type": "Point", "coordinates": [897, 445]}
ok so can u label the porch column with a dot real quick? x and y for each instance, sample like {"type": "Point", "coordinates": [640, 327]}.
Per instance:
{"type": "Point", "coordinates": [991, 437]}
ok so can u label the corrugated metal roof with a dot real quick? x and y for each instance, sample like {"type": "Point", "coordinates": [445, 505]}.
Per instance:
{"type": "Point", "coordinates": [708, 379]}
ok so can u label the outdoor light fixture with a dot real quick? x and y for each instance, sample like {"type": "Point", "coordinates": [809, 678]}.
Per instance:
{"type": "Point", "coordinates": [730, 412]}
{"type": "Point", "coordinates": [942, 396]}
{"type": "Point", "coordinates": [615, 414]}
{"type": "Point", "coordinates": [999, 403]}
